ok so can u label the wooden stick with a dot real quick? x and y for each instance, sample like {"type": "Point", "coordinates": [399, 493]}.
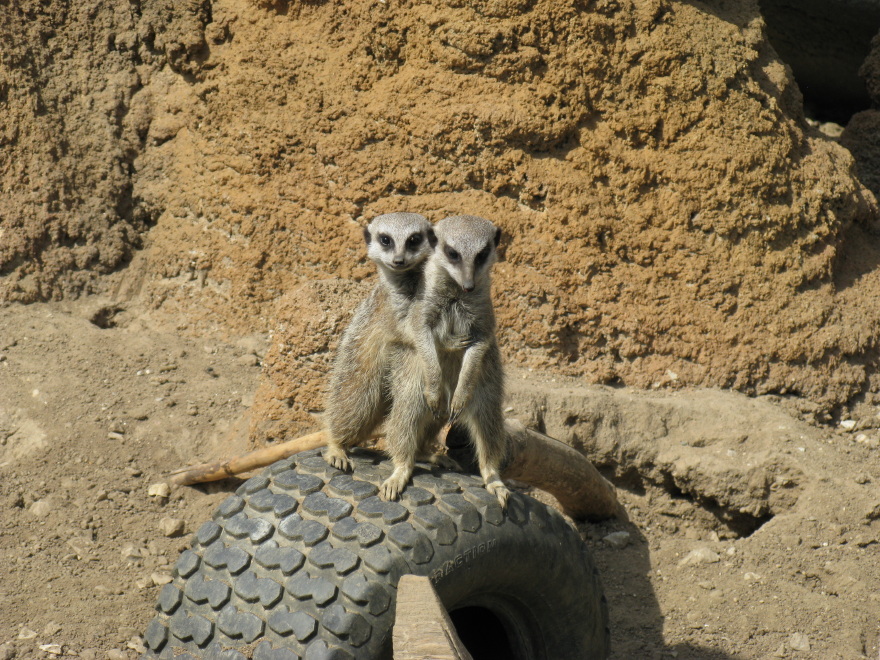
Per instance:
{"type": "Point", "coordinates": [422, 628]}
{"type": "Point", "coordinates": [196, 474]}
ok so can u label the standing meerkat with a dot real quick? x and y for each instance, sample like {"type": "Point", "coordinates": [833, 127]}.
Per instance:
{"type": "Point", "coordinates": [358, 401]}
{"type": "Point", "coordinates": [457, 357]}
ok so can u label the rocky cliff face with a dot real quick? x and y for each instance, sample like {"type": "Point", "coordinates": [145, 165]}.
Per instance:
{"type": "Point", "coordinates": [670, 217]}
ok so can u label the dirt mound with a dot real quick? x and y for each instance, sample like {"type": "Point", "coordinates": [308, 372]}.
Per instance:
{"type": "Point", "coordinates": [862, 134]}
{"type": "Point", "coordinates": [74, 121]}
{"type": "Point", "coordinates": [670, 217]}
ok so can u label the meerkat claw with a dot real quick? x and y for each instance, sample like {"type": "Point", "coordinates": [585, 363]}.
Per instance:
{"type": "Point", "coordinates": [391, 488]}
{"type": "Point", "coordinates": [499, 490]}
{"type": "Point", "coordinates": [455, 410]}
{"type": "Point", "coordinates": [337, 459]}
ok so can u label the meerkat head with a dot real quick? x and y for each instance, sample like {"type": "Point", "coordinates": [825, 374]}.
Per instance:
{"type": "Point", "coordinates": [399, 241]}
{"type": "Point", "coordinates": [466, 248]}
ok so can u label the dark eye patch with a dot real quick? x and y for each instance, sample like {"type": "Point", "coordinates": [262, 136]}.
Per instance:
{"type": "Point", "coordinates": [385, 240]}
{"type": "Point", "coordinates": [452, 255]}
{"type": "Point", "coordinates": [482, 255]}
{"type": "Point", "coordinates": [414, 241]}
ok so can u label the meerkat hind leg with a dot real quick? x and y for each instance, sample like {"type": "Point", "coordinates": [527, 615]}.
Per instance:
{"type": "Point", "coordinates": [488, 461]}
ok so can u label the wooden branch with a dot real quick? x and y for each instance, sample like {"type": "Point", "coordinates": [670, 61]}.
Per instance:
{"type": "Point", "coordinates": [562, 471]}
{"type": "Point", "coordinates": [422, 628]}
{"type": "Point", "coordinates": [246, 462]}
{"type": "Point", "coordinates": [536, 459]}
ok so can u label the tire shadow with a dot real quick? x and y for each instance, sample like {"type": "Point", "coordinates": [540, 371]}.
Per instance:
{"type": "Point", "coordinates": [636, 618]}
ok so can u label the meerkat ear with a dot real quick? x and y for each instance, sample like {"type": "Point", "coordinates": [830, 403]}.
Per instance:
{"type": "Point", "coordinates": [367, 236]}
{"type": "Point", "coordinates": [497, 236]}
{"type": "Point", "coordinates": [432, 238]}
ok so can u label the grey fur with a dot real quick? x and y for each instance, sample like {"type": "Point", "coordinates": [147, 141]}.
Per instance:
{"type": "Point", "coordinates": [458, 362]}
{"type": "Point", "coordinates": [358, 398]}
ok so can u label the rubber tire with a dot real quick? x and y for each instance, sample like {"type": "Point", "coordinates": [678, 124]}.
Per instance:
{"type": "Point", "coordinates": [303, 562]}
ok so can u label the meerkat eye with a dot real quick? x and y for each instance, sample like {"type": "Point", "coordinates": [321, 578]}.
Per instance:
{"type": "Point", "coordinates": [385, 240]}
{"type": "Point", "coordinates": [482, 255]}
{"type": "Point", "coordinates": [414, 241]}
{"type": "Point", "coordinates": [452, 255]}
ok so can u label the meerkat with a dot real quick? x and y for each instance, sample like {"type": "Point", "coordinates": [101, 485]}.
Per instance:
{"type": "Point", "coordinates": [358, 399]}
{"type": "Point", "coordinates": [457, 366]}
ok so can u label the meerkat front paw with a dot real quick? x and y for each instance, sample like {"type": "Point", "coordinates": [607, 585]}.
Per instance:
{"type": "Point", "coordinates": [337, 458]}
{"type": "Point", "coordinates": [499, 490]}
{"type": "Point", "coordinates": [393, 486]}
{"type": "Point", "coordinates": [459, 342]}
{"type": "Point", "coordinates": [459, 402]}
{"type": "Point", "coordinates": [432, 400]}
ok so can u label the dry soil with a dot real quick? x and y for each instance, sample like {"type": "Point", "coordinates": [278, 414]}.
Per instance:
{"type": "Point", "coordinates": [752, 533]}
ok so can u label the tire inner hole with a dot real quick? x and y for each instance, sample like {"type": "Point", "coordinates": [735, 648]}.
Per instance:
{"type": "Point", "coordinates": [482, 633]}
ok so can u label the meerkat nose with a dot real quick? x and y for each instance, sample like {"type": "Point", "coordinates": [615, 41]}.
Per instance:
{"type": "Point", "coordinates": [398, 261]}
{"type": "Point", "coordinates": [468, 289]}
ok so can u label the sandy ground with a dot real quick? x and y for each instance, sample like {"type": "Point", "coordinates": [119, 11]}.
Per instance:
{"type": "Point", "coordinates": [97, 403]}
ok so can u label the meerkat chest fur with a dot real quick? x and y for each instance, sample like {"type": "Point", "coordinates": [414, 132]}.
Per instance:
{"type": "Point", "coordinates": [455, 325]}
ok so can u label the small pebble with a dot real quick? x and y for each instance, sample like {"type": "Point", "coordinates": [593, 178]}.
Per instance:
{"type": "Point", "coordinates": [694, 620]}
{"type": "Point", "coordinates": [51, 629]}
{"type": "Point", "coordinates": [7, 651]}
{"type": "Point", "coordinates": [617, 539]}
{"type": "Point", "coordinates": [113, 591]}
{"type": "Point", "coordinates": [113, 435]}
{"type": "Point", "coordinates": [848, 424]}
{"type": "Point", "coordinates": [799, 642]}
{"type": "Point", "coordinates": [26, 633]}
{"type": "Point", "coordinates": [172, 527]}
{"type": "Point", "coordinates": [136, 644]}
{"type": "Point", "coordinates": [132, 552]}
{"type": "Point", "coordinates": [248, 360]}
{"type": "Point", "coordinates": [51, 649]}
{"type": "Point", "coordinates": [160, 578]}
{"type": "Point", "coordinates": [700, 556]}
{"type": "Point", "coordinates": [116, 654]}
{"type": "Point", "coordinates": [40, 508]}
{"type": "Point", "coordinates": [160, 490]}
